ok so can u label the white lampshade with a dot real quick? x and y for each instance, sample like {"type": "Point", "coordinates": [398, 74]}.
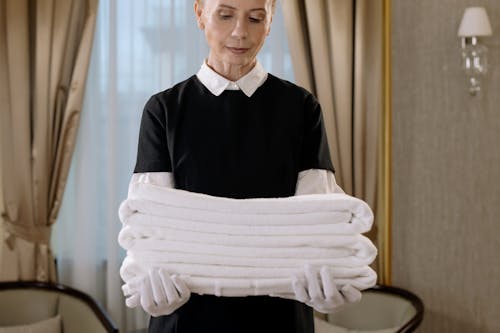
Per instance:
{"type": "Point", "coordinates": [474, 23]}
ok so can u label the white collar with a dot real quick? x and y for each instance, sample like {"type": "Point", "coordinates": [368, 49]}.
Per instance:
{"type": "Point", "coordinates": [216, 83]}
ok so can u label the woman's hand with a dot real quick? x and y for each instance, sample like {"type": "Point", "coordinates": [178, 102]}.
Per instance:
{"type": "Point", "coordinates": [159, 292]}
{"type": "Point", "coordinates": [320, 292]}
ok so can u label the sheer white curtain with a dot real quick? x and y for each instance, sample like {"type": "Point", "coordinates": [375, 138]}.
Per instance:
{"type": "Point", "coordinates": [140, 48]}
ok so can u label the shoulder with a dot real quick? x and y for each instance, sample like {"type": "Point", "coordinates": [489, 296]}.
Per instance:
{"type": "Point", "coordinates": [296, 98]}
{"type": "Point", "coordinates": [291, 91]}
{"type": "Point", "coordinates": [174, 93]}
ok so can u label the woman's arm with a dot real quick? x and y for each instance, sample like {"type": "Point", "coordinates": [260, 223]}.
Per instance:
{"type": "Point", "coordinates": [158, 293]}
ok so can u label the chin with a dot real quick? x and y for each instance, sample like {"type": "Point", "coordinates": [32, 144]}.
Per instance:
{"type": "Point", "coordinates": [238, 60]}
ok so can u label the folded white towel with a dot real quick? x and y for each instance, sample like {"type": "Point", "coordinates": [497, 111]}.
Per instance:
{"type": "Point", "coordinates": [335, 208]}
{"type": "Point", "coordinates": [159, 249]}
{"type": "Point", "coordinates": [351, 274]}
{"type": "Point", "coordinates": [140, 219]}
{"type": "Point", "coordinates": [232, 247]}
{"type": "Point", "coordinates": [255, 262]}
{"type": "Point", "coordinates": [243, 281]}
{"type": "Point", "coordinates": [360, 253]}
{"type": "Point", "coordinates": [221, 216]}
{"type": "Point", "coordinates": [128, 236]}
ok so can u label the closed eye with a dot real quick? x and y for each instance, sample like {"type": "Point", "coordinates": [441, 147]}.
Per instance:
{"type": "Point", "coordinates": [255, 19]}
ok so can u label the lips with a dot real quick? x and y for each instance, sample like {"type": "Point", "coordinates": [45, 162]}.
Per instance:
{"type": "Point", "coordinates": [238, 50]}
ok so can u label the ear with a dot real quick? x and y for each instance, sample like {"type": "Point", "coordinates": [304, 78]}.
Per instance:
{"type": "Point", "coordinates": [198, 10]}
{"type": "Point", "coordinates": [269, 27]}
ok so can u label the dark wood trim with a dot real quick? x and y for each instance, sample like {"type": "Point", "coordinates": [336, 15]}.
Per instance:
{"type": "Point", "coordinates": [411, 325]}
{"type": "Point", "coordinates": [101, 314]}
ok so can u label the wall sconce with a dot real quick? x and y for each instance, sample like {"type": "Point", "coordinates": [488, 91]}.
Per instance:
{"type": "Point", "coordinates": [475, 23]}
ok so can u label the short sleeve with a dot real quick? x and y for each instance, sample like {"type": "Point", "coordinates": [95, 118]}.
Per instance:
{"type": "Point", "coordinates": [315, 152]}
{"type": "Point", "coordinates": [152, 151]}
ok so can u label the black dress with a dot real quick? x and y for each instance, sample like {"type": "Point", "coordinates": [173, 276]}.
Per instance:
{"type": "Point", "coordinates": [238, 147]}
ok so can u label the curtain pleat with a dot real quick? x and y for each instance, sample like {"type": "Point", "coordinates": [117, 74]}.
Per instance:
{"type": "Point", "coordinates": [336, 48]}
{"type": "Point", "coordinates": [367, 103]}
{"type": "Point", "coordinates": [16, 139]}
{"type": "Point", "coordinates": [45, 50]}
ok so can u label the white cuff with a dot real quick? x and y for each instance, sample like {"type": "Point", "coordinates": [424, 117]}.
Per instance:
{"type": "Point", "coordinates": [316, 181]}
{"type": "Point", "coordinates": [163, 179]}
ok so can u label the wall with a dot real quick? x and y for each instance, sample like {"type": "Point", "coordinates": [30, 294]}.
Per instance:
{"type": "Point", "coordinates": [446, 169]}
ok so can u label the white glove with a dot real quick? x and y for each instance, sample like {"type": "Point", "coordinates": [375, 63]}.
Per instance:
{"type": "Point", "coordinates": [158, 292]}
{"type": "Point", "coordinates": [320, 290]}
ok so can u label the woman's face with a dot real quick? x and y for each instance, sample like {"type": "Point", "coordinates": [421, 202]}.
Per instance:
{"type": "Point", "coordinates": [235, 29]}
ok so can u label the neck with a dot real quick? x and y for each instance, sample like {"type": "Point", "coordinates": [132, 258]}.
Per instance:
{"type": "Point", "coordinates": [230, 71]}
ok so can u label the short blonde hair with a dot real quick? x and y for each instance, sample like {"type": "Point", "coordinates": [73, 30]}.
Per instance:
{"type": "Point", "coordinates": [200, 2]}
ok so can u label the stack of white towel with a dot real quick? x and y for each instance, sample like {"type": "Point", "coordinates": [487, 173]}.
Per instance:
{"type": "Point", "coordinates": [231, 247]}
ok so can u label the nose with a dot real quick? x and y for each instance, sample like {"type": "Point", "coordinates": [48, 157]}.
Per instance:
{"type": "Point", "coordinates": [240, 29]}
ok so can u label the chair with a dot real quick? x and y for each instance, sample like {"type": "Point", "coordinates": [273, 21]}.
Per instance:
{"type": "Point", "coordinates": [23, 303]}
{"type": "Point", "coordinates": [382, 309]}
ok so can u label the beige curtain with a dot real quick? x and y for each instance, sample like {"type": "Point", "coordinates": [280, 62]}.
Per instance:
{"type": "Point", "coordinates": [44, 55]}
{"type": "Point", "coordinates": [336, 48]}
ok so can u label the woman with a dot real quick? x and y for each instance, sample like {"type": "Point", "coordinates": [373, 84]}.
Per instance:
{"type": "Point", "coordinates": [233, 130]}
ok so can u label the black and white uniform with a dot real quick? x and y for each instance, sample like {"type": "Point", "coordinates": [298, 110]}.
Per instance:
{"type": "Point", "coordinates": [261, 137]}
